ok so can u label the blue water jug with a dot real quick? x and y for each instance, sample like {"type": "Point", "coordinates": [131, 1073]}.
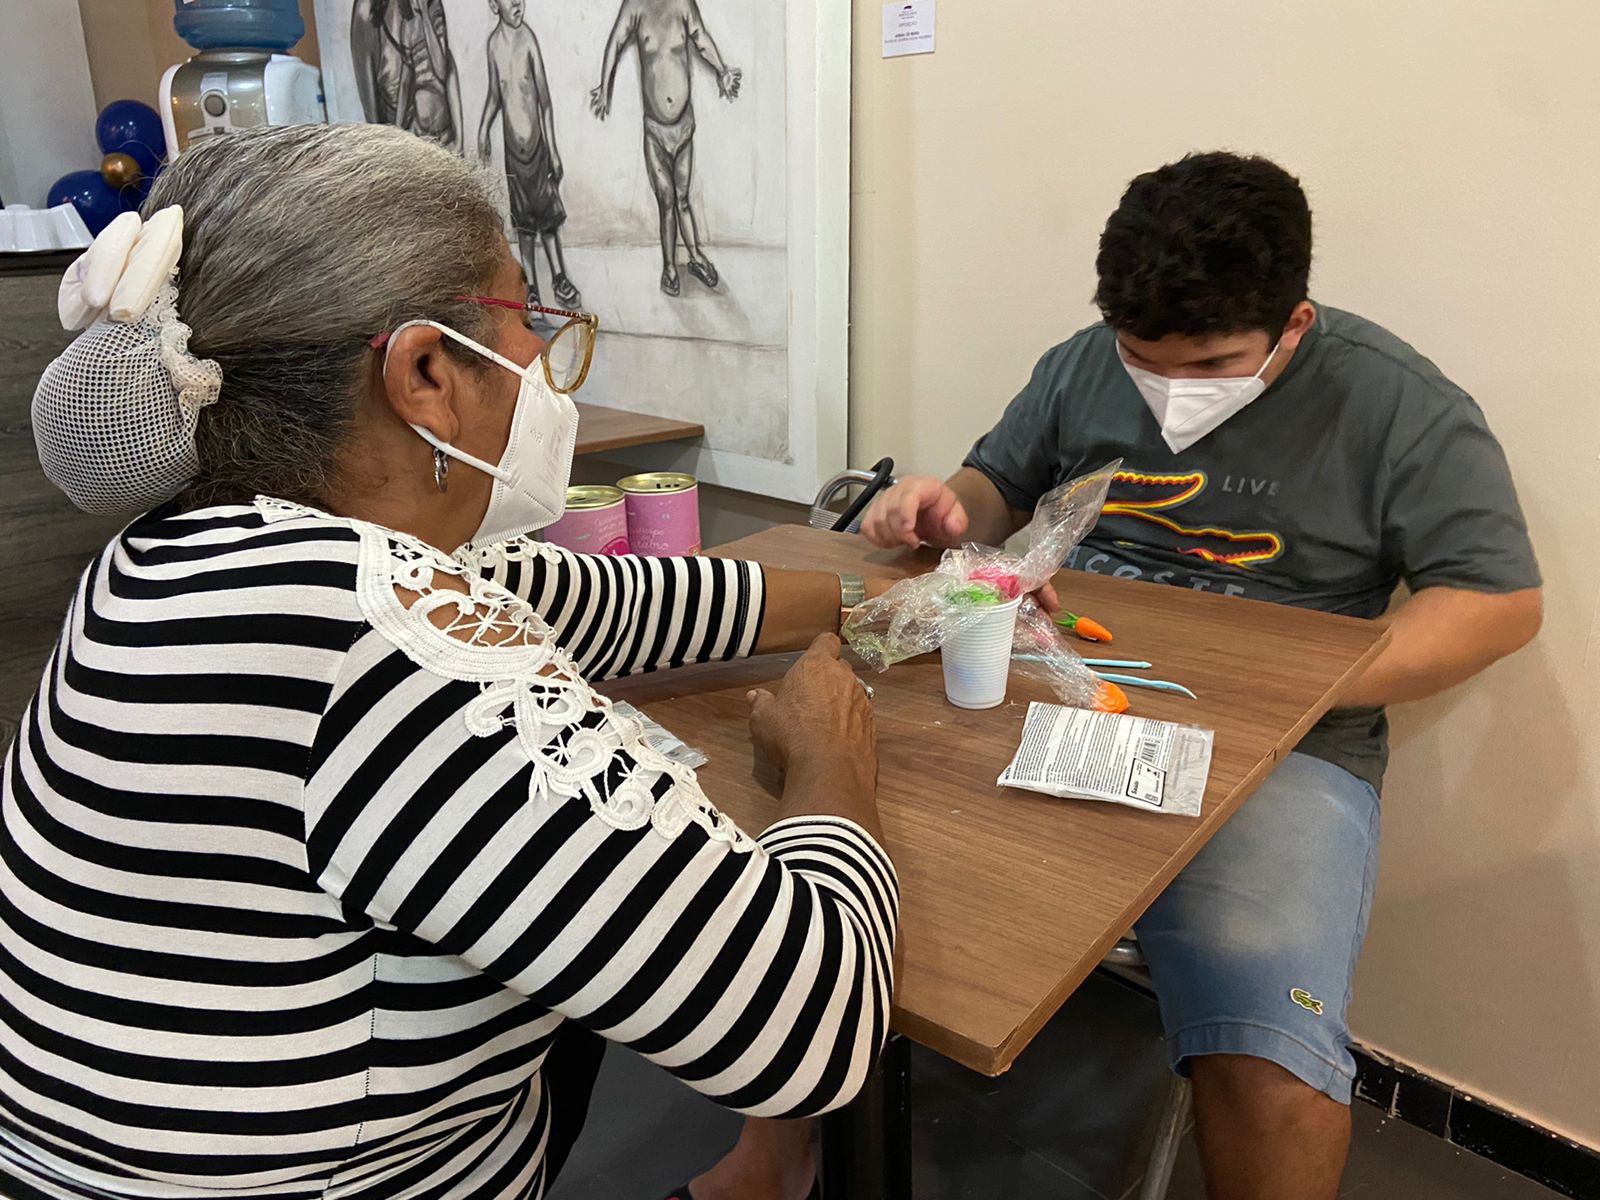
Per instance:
{"type": "Point", "coordinates": [272, 25]}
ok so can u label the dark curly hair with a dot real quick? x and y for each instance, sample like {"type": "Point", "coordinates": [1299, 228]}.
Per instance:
{"type": "Point", "coordinates": [1213, 243]}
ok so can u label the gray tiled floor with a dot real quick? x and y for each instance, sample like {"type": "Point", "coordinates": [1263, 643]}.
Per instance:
{"type": "Point", "coordinates": [1072, 1121]}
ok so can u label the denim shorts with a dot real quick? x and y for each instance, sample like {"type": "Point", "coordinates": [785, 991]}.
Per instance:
{"type": "Point", "coordinates": [1252, 947]}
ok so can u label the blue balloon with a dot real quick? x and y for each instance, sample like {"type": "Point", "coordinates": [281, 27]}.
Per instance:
{"type": "Point", "coordinates": [132, 128]}
{"type": "Point", "coordinates": [97, 202]}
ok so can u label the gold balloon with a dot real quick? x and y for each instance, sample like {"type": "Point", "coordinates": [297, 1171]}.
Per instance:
{"type": "Point", "coordinates": [120, 170]}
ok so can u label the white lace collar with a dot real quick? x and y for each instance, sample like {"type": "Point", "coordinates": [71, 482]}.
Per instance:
{"type": "Point", "coordinates": [495, 639]}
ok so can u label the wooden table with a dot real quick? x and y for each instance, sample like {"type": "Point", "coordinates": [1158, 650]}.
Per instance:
{"type": "Point", "coordinates": [1009, 898]}
{"type": "Point", "coordinates": [601, 429]}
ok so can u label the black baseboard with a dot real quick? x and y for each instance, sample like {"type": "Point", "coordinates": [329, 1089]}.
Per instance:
{"type": "Point", "coordinates": [1463, 1120]}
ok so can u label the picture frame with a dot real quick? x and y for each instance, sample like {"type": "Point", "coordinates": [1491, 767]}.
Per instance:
{"type": "Point", "coordinates": [721, 277]}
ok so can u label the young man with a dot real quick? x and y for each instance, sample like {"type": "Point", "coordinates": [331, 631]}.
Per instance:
{"type": "Point", "coordinates": [1283, 452]}
{"type": "Point", "coordinates": [519, 93]}
{"type": "Point", "coordinates": [1286, 452]}
{"type": "Point", "coordinates": [663, 31]}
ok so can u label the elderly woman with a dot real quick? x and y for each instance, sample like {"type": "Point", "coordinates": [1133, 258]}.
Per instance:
{"type": "Point", "coordinates": [319, 852]}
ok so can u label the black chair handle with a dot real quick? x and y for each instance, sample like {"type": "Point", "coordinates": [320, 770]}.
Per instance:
{"type": "Point", "coordinates": [882, 473]}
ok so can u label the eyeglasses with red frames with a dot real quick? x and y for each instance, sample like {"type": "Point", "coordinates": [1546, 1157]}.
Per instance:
{"type": "Point", "coordinates": [567, 352]}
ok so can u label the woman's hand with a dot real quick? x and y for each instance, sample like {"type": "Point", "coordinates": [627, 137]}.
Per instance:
{"type": "Point", "coordinates": [818, 729]}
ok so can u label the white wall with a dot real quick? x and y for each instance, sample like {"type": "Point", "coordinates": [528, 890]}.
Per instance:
{"type": "Point", "coordinates": [1453, 163]}
{"type": "Point", "coordinates": [46, 104]}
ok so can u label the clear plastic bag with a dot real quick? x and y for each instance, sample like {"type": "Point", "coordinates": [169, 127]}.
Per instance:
{"type": "Point", "coordinates": [917, 615]}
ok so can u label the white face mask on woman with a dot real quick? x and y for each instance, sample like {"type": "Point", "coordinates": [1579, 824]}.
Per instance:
{"type": "Point", "coordinates": [530, 481]}
{"type": "Point", "coordinates": [1188, 409]}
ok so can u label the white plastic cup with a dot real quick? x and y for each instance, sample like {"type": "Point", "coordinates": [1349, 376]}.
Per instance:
{"type": "Point", "coordinates": [977, 658]}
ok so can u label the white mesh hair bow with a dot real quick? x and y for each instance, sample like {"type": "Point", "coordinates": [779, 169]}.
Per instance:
{"type": "Point", "coordinates": [114, 416]}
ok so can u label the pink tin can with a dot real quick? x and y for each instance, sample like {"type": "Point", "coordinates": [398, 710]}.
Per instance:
{"type": "Point", "coordinates": [663, 513]}
{"type": "Point", "coordinates": [596, 522]}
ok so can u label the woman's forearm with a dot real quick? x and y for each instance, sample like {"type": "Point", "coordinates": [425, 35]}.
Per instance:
{"type": "Point", "coordinates": [826, 785]}
{"type": "Point", "coordinates": [800, 605]}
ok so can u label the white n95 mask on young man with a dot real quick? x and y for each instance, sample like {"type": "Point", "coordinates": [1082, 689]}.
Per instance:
{"type": "Point", "coordinates": [1188, 409]}
{"type": "Point", "coordinates": [530, 480]}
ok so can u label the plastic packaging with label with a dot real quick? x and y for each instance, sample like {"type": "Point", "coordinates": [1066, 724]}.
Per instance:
{"type": "Point", "coordinates": [1156, 766]}
{"type": "Point", "coordinates": [660, 739]}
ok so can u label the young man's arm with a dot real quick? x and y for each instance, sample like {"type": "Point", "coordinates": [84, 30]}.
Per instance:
{"type": "Point", "coordinates": [547, 116]}
{"type": "Point", "coordinates": [700, 36]}
{"type": "Point", "coordinates": [993, 494]}
{"type": "Point", "coordinates": [491, 110]}
{"type": "Point", "coordinates": [622, 31]}
{"type": "Point", "coordinates": [1453, 524]}
{"type": "Point", "coordinates": [1444, 636]}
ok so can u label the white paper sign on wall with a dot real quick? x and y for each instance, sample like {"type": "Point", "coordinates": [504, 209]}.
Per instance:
{"type": "Point", "coordinates": [907, 28]}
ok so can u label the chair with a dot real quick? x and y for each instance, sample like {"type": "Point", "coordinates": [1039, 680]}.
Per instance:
{"type": "Point", "coordinates": [1127, 960]}
{"type": "Point", "coordinates": [849, 520]}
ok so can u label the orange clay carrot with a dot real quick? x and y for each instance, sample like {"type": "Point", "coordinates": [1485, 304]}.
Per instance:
{"type": "Point", "coordinates": [1110, 699]}
{"type": "Point", "coordinates": [1088, 630]}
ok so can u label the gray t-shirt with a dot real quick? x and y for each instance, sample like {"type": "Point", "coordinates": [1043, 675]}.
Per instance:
{"type": "Point", "coordinates": [1361, 467]}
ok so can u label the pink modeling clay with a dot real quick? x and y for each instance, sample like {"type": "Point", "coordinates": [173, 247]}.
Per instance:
{"type": "Point", "coordinates": [1008, 583]}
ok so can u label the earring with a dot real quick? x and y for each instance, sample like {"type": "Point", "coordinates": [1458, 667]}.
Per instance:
{"type": "Point", "coordinates": [441, 470]}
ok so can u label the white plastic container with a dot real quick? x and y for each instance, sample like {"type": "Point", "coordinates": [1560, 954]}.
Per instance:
{"type": "Point", "coordinates": [25, 230]}
{"type": "Point", "coordinates": [977, 659]}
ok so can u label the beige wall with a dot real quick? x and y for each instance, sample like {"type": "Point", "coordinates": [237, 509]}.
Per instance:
{"type": "Point", "coordinates": [1452, 162]}
{"type": "Point", "coordinates": [131, 42]}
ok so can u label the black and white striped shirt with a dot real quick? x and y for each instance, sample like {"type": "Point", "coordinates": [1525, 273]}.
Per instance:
{"type": "Point", "coordinates": [296, 887]}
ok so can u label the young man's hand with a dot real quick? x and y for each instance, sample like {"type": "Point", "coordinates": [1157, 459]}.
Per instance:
{"type": "Point", "coordinates": [556, 169]}
{"type": "Point", "coordinates": [922, 509]}
{"type": "Point", "coordinates": [918, 509]}
{"type": "Point", "coordinates": [728, 82]}
{"type": "Point", "coordinates": [599, 102]}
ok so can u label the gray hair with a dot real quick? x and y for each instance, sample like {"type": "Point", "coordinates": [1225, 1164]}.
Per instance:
{"type": "Point", "coordinates": [301, 244]}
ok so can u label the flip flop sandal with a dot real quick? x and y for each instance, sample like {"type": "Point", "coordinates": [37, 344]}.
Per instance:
{"type": "Point", "coordinates": [705, 273]}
